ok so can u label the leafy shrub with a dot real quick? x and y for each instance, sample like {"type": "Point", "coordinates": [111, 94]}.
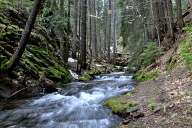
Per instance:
{"type": "Point", "coordinates": [186, 47]}
{"type": "Point", "coordinates": [149, 54]}
{"type": "Point", "coordinates": [186, 53]}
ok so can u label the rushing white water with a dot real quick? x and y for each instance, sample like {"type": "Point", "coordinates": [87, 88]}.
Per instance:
{"type": "Point", "coordinates": [83, 109]}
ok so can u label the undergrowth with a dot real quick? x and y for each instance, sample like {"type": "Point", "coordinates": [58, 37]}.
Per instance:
{"type": "Point", "coordinates": [185, 49]}
{"type": "Point", "coordinates": [146, 75]}
{"type": "Point", "coordinates": [149, 54]}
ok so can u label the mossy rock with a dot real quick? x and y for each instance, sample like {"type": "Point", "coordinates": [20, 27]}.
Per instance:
{"type": "Point", "coordinates": [119, 105]}
{"type": "Point", "coordinates": [37, 59]}
{"type": "Point", "coordinates": [94, 72]}
{"type": "Point", "coordinates": [89, 75]}
{"type": "Point", "coordinates": [85, 77]}
{"type": "Point", "coordinates": [42, 62]}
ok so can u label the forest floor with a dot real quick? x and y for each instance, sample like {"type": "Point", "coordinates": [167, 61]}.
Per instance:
{"type": "Point", "coordinates": [165, 102]}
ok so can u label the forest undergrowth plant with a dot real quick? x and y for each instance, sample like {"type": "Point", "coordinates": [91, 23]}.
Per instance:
{"type": "Point", "coordinates": [149, 54]}
{"type": "Point", "coordinates": [186, 47]}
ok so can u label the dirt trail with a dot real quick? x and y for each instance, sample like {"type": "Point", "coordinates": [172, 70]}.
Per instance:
{"type": "Point", "coordinates": [165, 102]}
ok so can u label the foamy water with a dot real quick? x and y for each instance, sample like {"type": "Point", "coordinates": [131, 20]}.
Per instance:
{"type": "Point", "coordinates": [84, 109]}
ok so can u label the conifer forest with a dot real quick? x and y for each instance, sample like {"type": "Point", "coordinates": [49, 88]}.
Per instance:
{"type": "Point", "coordinates": [95, 63]}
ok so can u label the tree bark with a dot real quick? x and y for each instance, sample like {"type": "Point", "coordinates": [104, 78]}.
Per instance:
{"type": "Point", "coordinates": [169, 10]}
{"type": "Point", "coordinates": [180, 21]}
{"type": "Point", "coordinates": [109, 31]}
{"type": "Point", "coordinates": [114, 28]}
{"type": "Point", "coordinates": [189, 3]}
{"type": "Point", "coordinates": [74, 51]}
{"type": "Point", "coordinates": [83, 49]}
{"type": "Point", "coordinates": [94, 36]}
{"type": "Point", "coordinates": [105, 29]}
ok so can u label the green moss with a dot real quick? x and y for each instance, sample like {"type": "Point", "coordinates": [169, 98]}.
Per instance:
{"type": "Point", "coordinates": [10, 33]}
{"type": "Point", "coordinates": [58, 74]}
{"type": "Point", "coordinates": [37, 59]}
{"type": "Point", "coordinates": [145, 76]}
{"type": "Point", "coordinates": [186, 51]}
{"type": "Point", "coordinates": [4, 3]}
{"type": "Point", "coordinates": [9, 3]}
{"type": "Point", "coordinates": [94, 72]}
{"type": "Point", "coordinates": [55, 72]}
{"type": "Point", "coordinates": [3, 61]}
{"type": "Point", "coordinates": [89, 75]}
{"type": "Point", "coordinates": [119, 105]}
{"type": "Point", "coordinates": [44, 55]}
{"type": "Point", "coordinates": [185, 48]}
{"type": "Point", "coordinates": [85, 77]}
{"type": "Point", "coordinates": [130, 93]}
{"type": "Point", "coordinates": [43, 63]}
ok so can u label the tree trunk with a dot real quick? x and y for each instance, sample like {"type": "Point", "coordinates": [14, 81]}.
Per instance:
{"type": "Point", "coordinates": [90, 28]}
{"type": "Point", "coordinates": [180, 21]}
{"type": "Point", "coordinates": [109, 31]}
{"type": "Point", "coordinates": [94, 36]}
{"type": "Point", "coordinates": [189, 3]}
{"type": "Point", "coordinates": [114, 28]}
{"type": "Point", "coordinates": [105, 29]}
{"type": "Point", "coordinates": [83, 49]}
{"type": "Point", "coordinates": [74, 51]}
{"type": "Point", "coordinates": [25, 35]}
{"type": "Point", "coordinates": [169, 10]}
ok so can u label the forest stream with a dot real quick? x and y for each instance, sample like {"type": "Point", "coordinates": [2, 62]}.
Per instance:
{"type": "Point", "coordinates": [79, 105]}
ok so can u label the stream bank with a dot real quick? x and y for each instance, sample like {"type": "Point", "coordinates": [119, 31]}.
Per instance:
{"type": "Point", "coordinates": [163, 101]}
{"type": "Point", "coordinates": [39, 68]}
{"type": "Point", "coordinates": [79, 105]}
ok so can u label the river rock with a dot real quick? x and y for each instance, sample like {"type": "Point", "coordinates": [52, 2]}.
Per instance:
{"type": "Point", "coordinates": [48, 85]}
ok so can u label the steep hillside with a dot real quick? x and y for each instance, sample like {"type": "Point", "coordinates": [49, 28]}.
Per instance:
{"type": "Point", "coordinates": [39, 66]}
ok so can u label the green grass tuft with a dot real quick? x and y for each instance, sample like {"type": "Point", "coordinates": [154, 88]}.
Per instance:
{"type": "Point", "coordinates": [145, 76]}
